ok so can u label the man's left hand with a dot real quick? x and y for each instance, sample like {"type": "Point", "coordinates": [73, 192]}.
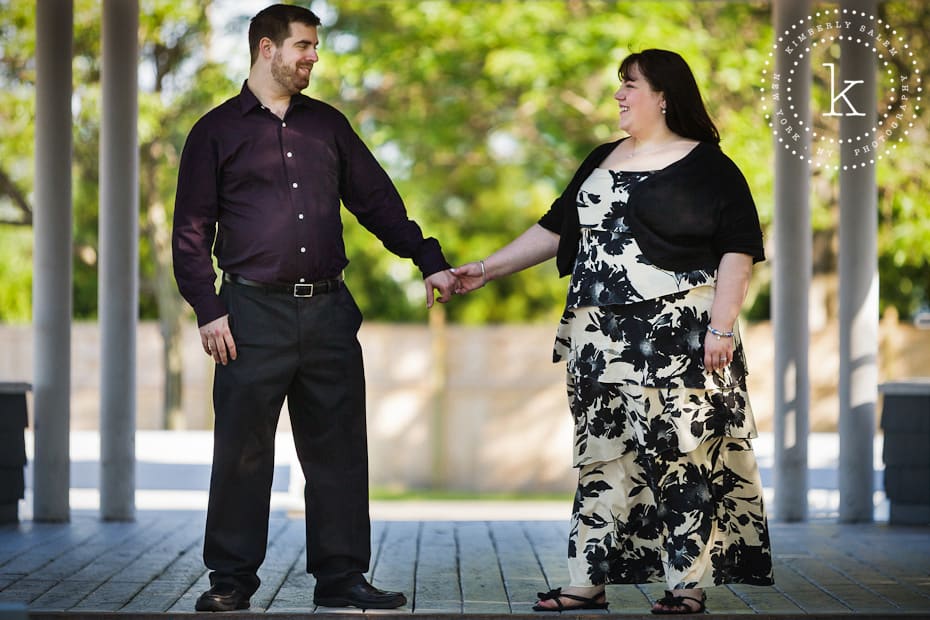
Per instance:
{"type": "Point", "coordinates": [445, 281]}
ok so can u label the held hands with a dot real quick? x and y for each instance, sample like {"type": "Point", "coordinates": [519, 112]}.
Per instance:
{"type": "Point", "coordinates": [445, 282]}
{"type": "Point", "coordinates": [455, 281]}
{"type": "Point", "coordinates": [471, 276]}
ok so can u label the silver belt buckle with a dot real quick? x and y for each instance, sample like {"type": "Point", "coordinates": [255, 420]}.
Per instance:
{"type": "Point", "coordinates": [303, 290]}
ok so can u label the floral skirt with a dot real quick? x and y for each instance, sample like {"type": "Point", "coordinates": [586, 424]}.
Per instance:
{"type": "Point", "coordinates": [668, 486]}
{"type": "Point", "coordinates": [690, 520]}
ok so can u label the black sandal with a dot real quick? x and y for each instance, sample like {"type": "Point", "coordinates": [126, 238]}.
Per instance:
{"type": "Point", "coordinates": [556, 595]}
{"type": "Point", "coordinates": [679, 601]}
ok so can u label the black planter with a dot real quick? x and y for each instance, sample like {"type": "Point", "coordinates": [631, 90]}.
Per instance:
{"type": "Point", "coordinates": [906, 450]}
{"type": "Point", "coordinates": [13, 421]}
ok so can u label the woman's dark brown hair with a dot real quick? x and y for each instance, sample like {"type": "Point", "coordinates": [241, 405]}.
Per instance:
{"type": "Point", "coordinates": [669, 74]}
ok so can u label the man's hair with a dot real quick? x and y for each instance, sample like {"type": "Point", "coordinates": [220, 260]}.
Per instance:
{"type": "Point", "coordinates": [275, 22]}
{"type": "Point", "coordinates": [669, 74]}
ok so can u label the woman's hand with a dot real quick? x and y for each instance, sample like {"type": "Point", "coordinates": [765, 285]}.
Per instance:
{"type": "Point", "coordinates": [471, 276]}
{"type": "Point", "coordinates": [732, 283]}
{"type": "Point", "coordinates": [718, 351]}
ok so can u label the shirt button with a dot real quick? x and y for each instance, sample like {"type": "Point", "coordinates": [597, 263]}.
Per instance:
{"type": "Point", "coordinates": [284, 124]}
{"type": "Point", "coordinates": [303, 250]}
{"type": "Point", "coordinates": [300, 216]}
{"type": "Point", "coordinates": [289, 154]}
{"type": "Point", "coordinates": [294, 185]}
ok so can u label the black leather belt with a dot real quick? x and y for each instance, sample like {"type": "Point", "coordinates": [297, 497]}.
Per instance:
{"type": "Point", "coordinates": [308, 289]}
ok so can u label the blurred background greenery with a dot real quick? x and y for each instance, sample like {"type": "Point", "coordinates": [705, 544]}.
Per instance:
{"type": "Point", "coordinates": [480, 111]}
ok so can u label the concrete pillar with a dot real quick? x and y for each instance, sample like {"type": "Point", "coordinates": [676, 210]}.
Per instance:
{"type": "Point", "coordinates": [52, 277]}
{"type": "Point", "coordinates": [858, 272]}
{"type": "Point", "coordinates": [119, 257]}
{"type": "Point", "coordinates": [792, 269]}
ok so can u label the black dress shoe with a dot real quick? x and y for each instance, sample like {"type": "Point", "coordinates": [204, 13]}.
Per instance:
{"type": "Point", "coordinates": [362, 595]}
{"type": "Point", "coordinates": [222, 597]}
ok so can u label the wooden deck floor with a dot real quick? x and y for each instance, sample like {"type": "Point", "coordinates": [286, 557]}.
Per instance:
{"type": "Point", "coordinates": [152, 568]}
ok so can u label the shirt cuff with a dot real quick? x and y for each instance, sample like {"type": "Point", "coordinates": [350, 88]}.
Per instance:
{"type": "Point", "coordinates": [209, 309]}
{"type": "Point", "coordinates": [431, 259]}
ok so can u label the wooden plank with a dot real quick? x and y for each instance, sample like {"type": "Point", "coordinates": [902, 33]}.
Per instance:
{"type": "Point", "coordinates": [521, 571]}
{"type": "Point", "coordinates": [88, 569]}
{"type": "Point", "coordinates": [186, 601]}
{"type": "Point", "coordinates": [859, 599]}
{"type": "Point", "coordinates": [761, 599]}
{"type": "Point", "coordinates": [724, 600]}
{"type": "Point", "coordinates": [481, 581]}
{"type": "Point", "coordinates": [437, 577]}
{"type": "Point", "coordinates": [109, 596]}
{"type": "Point", "coordinates": [115, 586]}
{"type": "Point", "coordinates": [395, 566]}
{"type": "Point", "coordinates": [155, 562]}
{"type": "Point", "coordinates": [63, 569]}
{"type": "Point", "coordinates": [378, 532]}
{"type": "Point", "coordinates": [807, 595]}
{"type": "Point", "coordinates": [109, 536]}
{"type": "Point", "coordinates": [549, 542]}
{"type": "Point", "coordinates": [283, 551]}
{"type": "Point", "coordinates": [46, 545]}
{"type": "Point", "coordinates": [296, 592]}
{"type": "Point", "coordinates": [188, 598]}
{"type": "Point", "coordinates": [26, 590]}
{"type": "Point", "coordinates": [28, 536]}
{"type": "Point", "coordinates": [626, 598]}
{"type": "Point", "coordinates": [114, 560]}
{"type": "Point", "coordinates": [903, 597]}
{"type": "Point", "coordinates": [183, 570]}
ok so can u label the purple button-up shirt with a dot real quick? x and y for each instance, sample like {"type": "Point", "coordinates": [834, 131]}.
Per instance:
{"type": "Point", "coordinates": [264, 195]}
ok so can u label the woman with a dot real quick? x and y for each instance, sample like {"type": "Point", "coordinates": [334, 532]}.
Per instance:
{"type": "Point", "coordinates": [659, 233]}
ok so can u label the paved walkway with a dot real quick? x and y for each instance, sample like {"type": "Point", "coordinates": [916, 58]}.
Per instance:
{"type": "Point", "coordinates": [479, 569]}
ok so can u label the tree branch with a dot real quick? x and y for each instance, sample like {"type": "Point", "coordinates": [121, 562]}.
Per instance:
{"type": "Point", "coordinates": [8, 188]}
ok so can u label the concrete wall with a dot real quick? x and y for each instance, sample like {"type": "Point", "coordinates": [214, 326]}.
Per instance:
{"type": "Point", "coordinates": [474, 408]}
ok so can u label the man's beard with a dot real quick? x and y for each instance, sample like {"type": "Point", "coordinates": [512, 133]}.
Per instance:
{"type": "Point", "coordinates": [287, 77]}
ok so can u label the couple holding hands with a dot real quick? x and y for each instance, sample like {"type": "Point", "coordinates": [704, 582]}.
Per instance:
{"type": "Point", "coordinates": [658, 232]}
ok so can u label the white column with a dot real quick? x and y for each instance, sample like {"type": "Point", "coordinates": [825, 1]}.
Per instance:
{"type": "Point", "coordinates": [52, 277]}
{"type": "Point", "coordinates": [119, 257]}
{"type": "Point", "coordinates": [792, 268]}
{"type": "Point", "coordinates": [858, 271]}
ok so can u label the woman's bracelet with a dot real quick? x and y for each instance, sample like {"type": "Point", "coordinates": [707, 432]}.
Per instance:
{"type": "Point", "coordinates": [719, 334]}
{"type": "Point", "coordinates": [484, 272]}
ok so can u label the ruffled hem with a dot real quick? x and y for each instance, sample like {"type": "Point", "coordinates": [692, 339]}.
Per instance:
{"type": "Point", "coordinates": [632, 418]}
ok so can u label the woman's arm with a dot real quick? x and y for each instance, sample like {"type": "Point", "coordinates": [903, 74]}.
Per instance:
{"type": "Point", "coordinates": [534, 246]}
{"type": "Point", "coordinates": [732, 283]}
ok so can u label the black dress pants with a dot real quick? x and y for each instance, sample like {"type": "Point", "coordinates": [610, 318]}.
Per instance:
{"type": "Point", "coordinates": [305, 349]}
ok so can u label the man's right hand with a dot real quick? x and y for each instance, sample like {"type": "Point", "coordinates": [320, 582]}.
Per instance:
{"type": "Point", "coordinates": [217, 340]}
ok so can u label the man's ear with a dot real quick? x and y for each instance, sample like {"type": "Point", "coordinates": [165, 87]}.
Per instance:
{"type": "Point", "coordinates": [266, 48]}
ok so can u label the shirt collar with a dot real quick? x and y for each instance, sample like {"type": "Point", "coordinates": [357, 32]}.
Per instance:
{"type": "Point", "coordinates": [248, 101]}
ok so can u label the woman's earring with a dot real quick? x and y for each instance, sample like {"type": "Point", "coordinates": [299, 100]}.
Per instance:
{"type": "Point", "coordinates": [663, 110]}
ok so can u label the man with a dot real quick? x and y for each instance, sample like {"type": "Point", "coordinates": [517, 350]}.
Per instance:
{"type": "Point", "coordinates": [260, 184]}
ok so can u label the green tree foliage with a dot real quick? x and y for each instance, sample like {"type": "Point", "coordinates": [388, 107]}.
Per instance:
{"type": "Point", "coordinates": [479, 110]}
{"type": "Point", "coordinates": [482, 111]}
{"type": "Point", "coordinates": [904, 190]}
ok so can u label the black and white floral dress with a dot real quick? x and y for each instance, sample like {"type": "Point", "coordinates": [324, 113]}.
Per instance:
{"type": "Point", "coordinates": [668, 486]}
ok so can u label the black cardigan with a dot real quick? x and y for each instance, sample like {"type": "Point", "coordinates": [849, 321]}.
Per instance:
{"type": "Point", "coordinates": [684, 217]}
